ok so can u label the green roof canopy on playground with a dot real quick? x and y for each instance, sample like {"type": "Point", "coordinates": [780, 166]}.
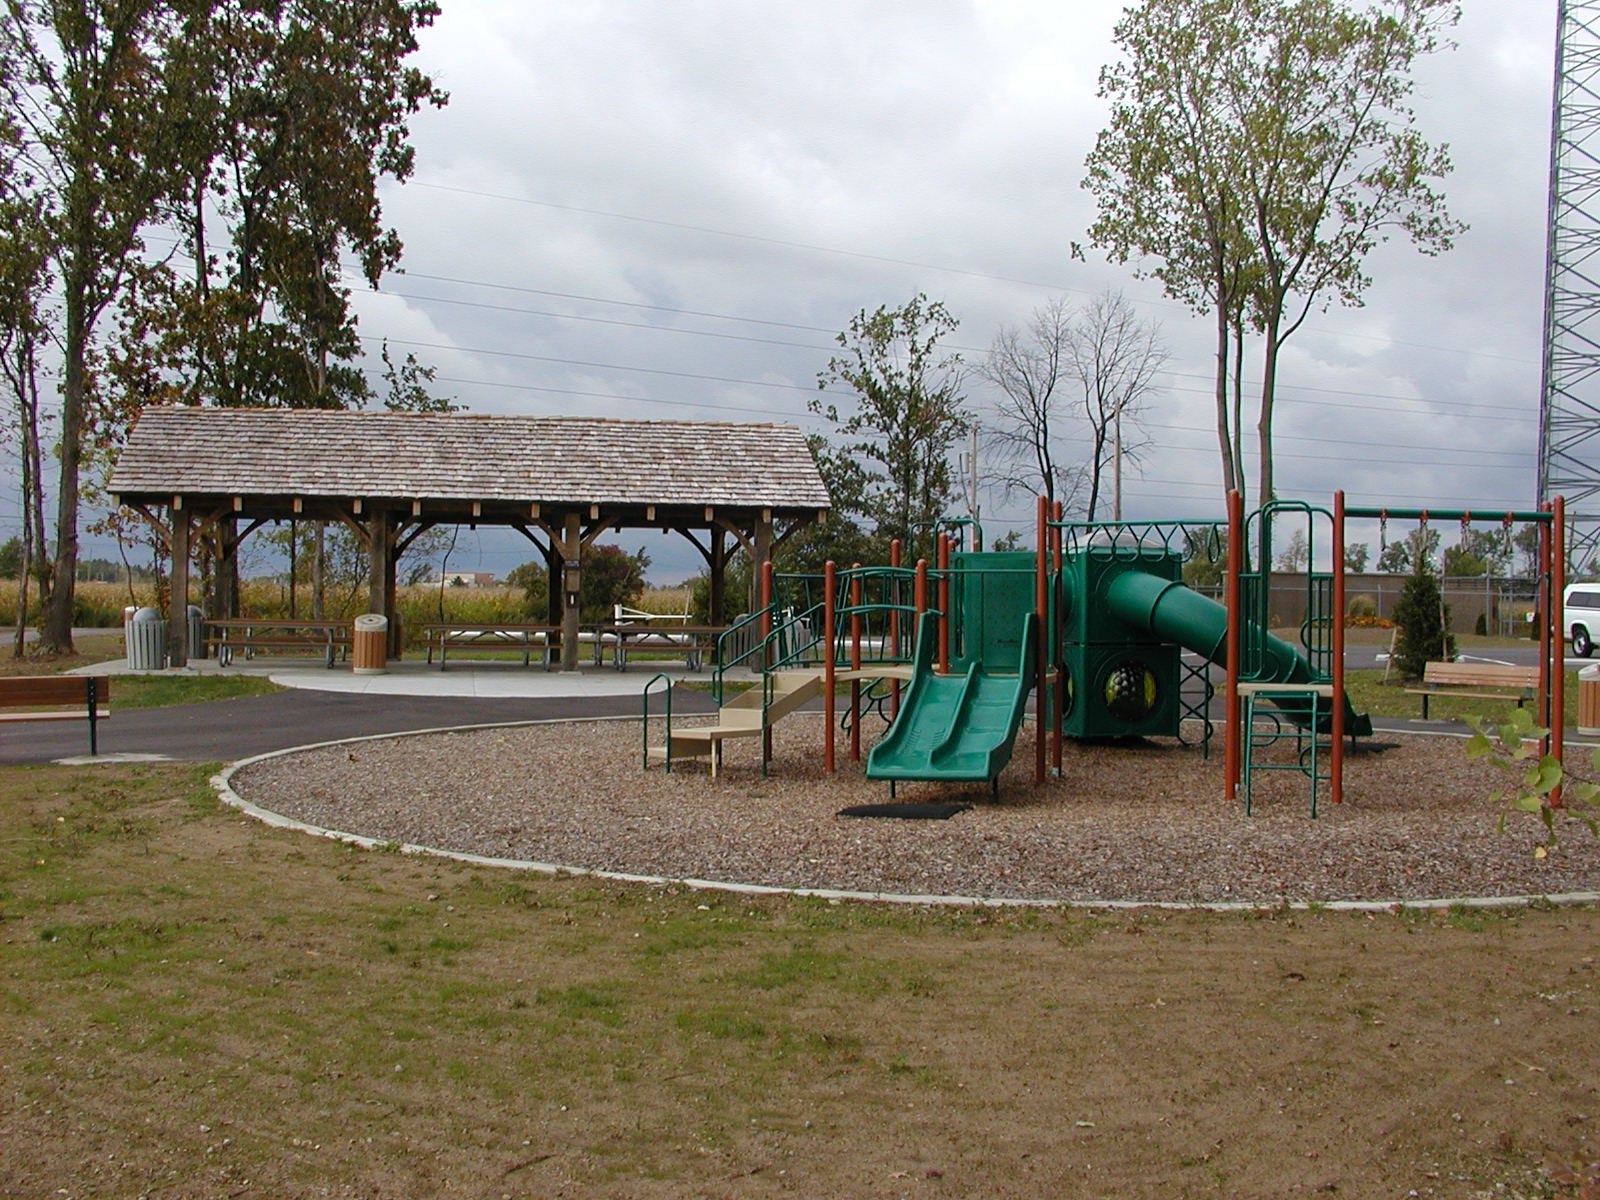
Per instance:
{"type": "Point", "coordinates": [218, 474]}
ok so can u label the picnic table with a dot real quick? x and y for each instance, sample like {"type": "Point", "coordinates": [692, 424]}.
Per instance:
{"type": "Point", "coordinates": [694, 642]}
{"type": "Point", "coordinates": [229, 634]}
{"type": "Point", "coordinates": [445, 636]}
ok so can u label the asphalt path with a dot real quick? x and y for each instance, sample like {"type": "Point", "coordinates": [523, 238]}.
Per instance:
{"type": "Point", "coordinates": [228, 730]}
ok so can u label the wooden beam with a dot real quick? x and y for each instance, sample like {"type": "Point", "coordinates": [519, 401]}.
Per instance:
{"type": "Point", "coordinates": [533, 512]}
{"type": "Point", "coordinates": [477, 508]}
{"type": "Point", "coordinates": [649, 512]}
{"type": "Point", "coordinates": [594, 512]}
{"type": "Point", "coordinates": [355, 506]}
{"type": "Point", "coordinates": [177, 504]}
{"type": "Point", "coordinates": [238, 503]}
{"type": "Point", "coordinates": [299, 505]}
{"type": "Point", "coordinates": [416, 508]}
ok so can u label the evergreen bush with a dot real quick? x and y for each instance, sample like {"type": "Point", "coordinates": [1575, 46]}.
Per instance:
{"type": "Point", "coordinates": [1424, 621]}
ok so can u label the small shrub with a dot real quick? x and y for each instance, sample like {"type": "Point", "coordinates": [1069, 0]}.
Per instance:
{"type": "Point", "coordinates": [1361, 606]}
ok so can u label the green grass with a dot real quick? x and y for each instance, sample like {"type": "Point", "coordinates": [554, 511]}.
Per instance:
{"type": "Point", "coordinates": [163, 691]}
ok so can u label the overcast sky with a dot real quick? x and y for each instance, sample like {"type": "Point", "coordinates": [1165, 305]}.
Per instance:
{"type": "Point", "coordinates": [667, 210]}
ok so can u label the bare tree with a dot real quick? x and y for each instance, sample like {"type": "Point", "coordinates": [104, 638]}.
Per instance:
{"type": "Point", "coordinates": [1095, 366]}
{"type": "Point", "coordinates": [1114, 357]}
{"type": "Point", "coordinates": [1033, 409]}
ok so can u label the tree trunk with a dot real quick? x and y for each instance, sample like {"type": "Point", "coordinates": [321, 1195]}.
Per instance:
{"type": "Point", "coordinates": [55, 634]}
{"type": "Point", "coordinates": [1230, 482]}
{"type": "Point", "coordinates": [1269, 379]}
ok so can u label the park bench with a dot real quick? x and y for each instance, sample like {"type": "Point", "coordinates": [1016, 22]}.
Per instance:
{"type": "Point", "coordinates": [227, 635]}
{"type": "Point", "coordinates": [33, 692]}
{"type": "Point", "coordinates": [458, 635]}
{"type": "Point", "coordinates": [1489, 681]}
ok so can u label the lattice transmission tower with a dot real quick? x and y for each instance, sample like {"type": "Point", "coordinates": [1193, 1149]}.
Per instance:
{"type": "Point", "coordinates": [1569, 410]}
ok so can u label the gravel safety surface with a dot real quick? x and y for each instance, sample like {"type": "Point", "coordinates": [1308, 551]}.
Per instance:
{"type": "Point", "coordinates": [1141, 821]}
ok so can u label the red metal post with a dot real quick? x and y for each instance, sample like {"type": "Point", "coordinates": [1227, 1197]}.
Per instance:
{"type": "Point", "coordinates": [1547, 603]}
{"type": "Point", "coordinates": [1232, 742]}
{"type": "Point", "coordinates": [1055, 644]}
{"type": "Point", "coordinates": [829, 583]}
{"type": "Point", "coordinates": [1041, 701]}
{"type": "Point", "coordinates": [1558, 633]}
{"type": "Point", "coordinates": [855, 663]}
{"type": "Point", "coordinates": [1336, 766]}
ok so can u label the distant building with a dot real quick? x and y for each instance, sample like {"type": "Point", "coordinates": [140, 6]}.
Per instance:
{"type": "Point", "coordinates": [466, 579]}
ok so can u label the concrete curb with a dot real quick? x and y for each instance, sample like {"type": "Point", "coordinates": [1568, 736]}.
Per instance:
{"type": "Point", "coordinates": [222, 782]}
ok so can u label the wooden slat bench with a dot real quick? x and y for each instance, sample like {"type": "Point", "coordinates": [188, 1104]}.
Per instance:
{"type": "Point", "coordinates": [1489, 681]}
{"type": "Point", "coordinates": [87, 692]}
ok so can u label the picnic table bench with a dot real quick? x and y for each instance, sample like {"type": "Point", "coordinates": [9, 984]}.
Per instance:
{"type": "Point", "coordinates": [1492, 681]}
{"type": "Point", "coordinates": [229, 634]}
{"type": "Point", "coordinates": [31, 692]}
{"type": "Point", "coordinates": [694, 642]}
{"type": "Point", "coordinates": [445, 636]}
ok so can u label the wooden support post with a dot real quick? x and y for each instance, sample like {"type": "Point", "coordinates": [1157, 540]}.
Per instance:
{"type": "Point", "coordinates": [380, 563]}
{"type": "Point", "coordinates": [571, 585]}
{"type": "Point", "coordinates": [178, 604]}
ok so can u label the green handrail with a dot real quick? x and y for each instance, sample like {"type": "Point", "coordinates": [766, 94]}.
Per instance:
{"type": "Point", "coordinates": [644, 722]}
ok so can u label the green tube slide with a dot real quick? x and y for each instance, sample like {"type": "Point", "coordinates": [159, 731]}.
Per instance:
{"type": "Point", "coordinates": [1177, 614]}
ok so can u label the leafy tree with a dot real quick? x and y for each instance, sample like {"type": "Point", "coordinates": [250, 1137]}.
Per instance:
{"type": "Point", "coordinates": [1526, 542]}
{"type": "Point", "coordinates": [610, 577]}
{"type": "Point", "coordinates": [908, 413]}
{"type": "Point", "coordinates": [1424, 621]}
{"type": "Point", "coordinates": [11, 558]}
{"type": "Point", "coordinates": [1355, 557]}
{"type": "Point", "coordinates": [111, 89]}
{"type": "Point", "coordinates": [1258, 150]}
{"type": "Point", "coordinates": [534, 580]}
{"type": "Point", "coordinates": [1296, 554]}
{"type": "Point", "coordinates": [1415, 551]}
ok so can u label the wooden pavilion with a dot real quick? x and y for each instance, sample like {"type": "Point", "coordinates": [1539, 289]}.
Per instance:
{"type": "Point", "coordinates": [218, 474]}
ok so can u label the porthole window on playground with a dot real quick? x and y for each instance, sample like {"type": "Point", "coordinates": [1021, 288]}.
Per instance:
{"type": "Point", "coordinates": [1131, 691]}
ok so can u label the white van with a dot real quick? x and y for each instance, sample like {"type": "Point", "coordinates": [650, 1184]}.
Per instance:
{"type": "Point", "coordinates": [1581, 607]}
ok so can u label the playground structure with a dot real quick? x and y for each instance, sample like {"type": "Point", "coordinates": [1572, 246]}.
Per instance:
{"type": "Point", "coordinates": [1093, 624]}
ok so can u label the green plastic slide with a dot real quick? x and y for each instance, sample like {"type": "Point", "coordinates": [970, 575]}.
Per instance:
{"type": "Point", "coordinates": [1176, 614]}
{"type": "Point", "coordinates": [955, 727]}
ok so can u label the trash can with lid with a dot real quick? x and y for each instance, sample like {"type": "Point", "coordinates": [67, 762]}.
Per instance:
{"type": "Point", "coordinates": [369, 647]}
{"type": "Point", "coordinates": [1589, 701]}
{"type": "Point", "coordinates": [197, 635]}
{"type": "Point", "coordinates": [146, 633]}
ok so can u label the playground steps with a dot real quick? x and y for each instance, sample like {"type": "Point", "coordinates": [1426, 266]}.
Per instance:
{"type": "Point", "coordinates": [742, 717]}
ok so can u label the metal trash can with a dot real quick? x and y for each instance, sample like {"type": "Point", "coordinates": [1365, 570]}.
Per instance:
{"type": "Point", "coordinates": [197, 637]}
{"type": "Point", "coordinates": [146, 634]}
{"type": "Point", "coordinates": [369, 647]}
{"type": "Point", "coordinates": [1589, 701]}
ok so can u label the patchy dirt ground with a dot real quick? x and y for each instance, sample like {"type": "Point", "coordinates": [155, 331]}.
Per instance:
{"type": "Point", "coordinates": [1133, 821]}
{"type": "Point", "coordinates": [200, 1006]}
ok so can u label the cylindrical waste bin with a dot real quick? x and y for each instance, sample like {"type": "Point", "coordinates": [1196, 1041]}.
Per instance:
{"type": "Point", "coordinates": [146, 632]}
{"type": "Point", "coordinates": [1589, 701]}
{"type": "Point", "coordinates": [369, 648]}
{"type": "Point", "coordinates": [197, 637]}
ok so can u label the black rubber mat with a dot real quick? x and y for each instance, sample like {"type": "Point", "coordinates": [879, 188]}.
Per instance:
{"type": "Point", "coordinates": [906, 812]}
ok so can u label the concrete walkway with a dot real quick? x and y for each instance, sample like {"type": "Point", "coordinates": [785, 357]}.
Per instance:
{"type": "Point", "coordinates": [324, 705]}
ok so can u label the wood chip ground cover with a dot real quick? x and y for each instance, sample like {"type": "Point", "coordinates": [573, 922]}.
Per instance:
{"type": "Point", "coordinates": [198, 1006]}
{"type": "Point", "coordinates": [1137, 821]}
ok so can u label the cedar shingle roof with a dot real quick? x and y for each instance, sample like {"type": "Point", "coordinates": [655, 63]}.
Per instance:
{"type": "Point", "coordinates": [466, 456]}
